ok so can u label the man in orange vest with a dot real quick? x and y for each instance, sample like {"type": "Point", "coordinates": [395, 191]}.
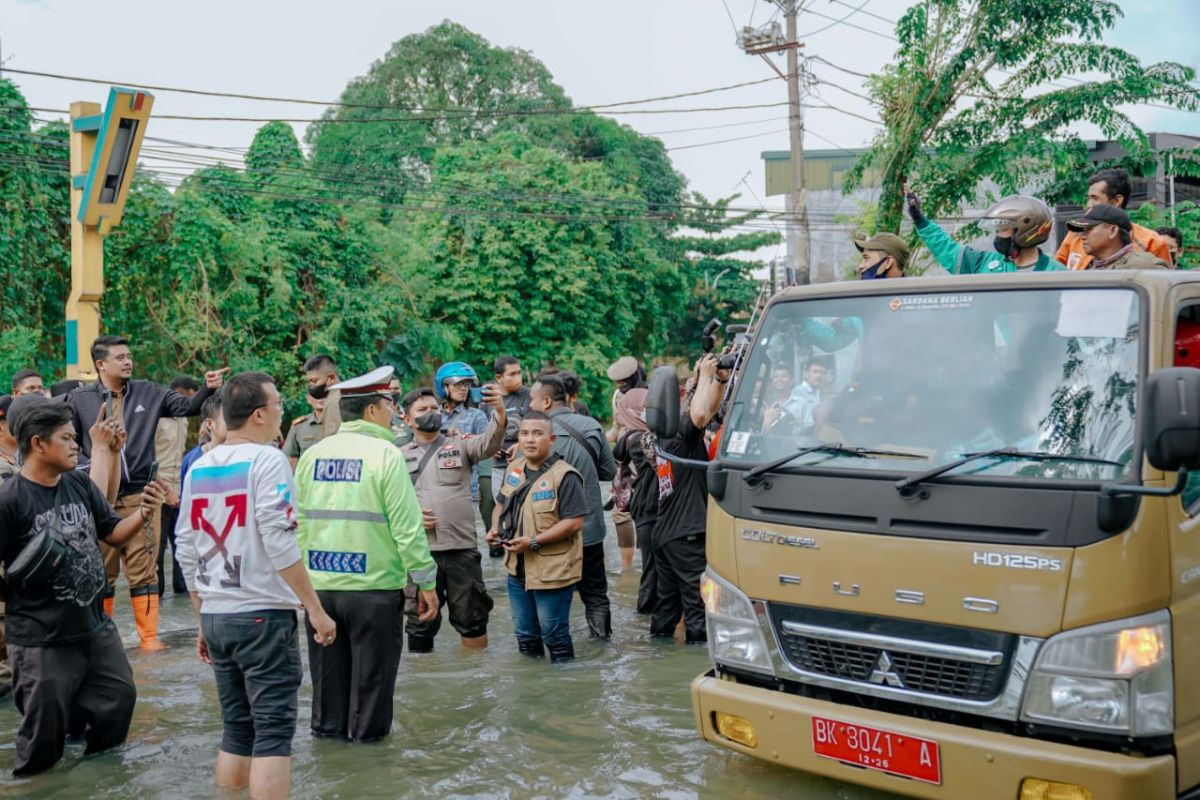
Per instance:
{"type": "Point", "coordinates": [1109, 187]}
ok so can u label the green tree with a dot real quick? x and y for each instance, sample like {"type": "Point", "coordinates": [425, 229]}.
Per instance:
{"type": "Point", "coordinates": [444, 86]}
{"type": "Point", "coordinates": [35, 255]}
{"type": "Point", "coordinates": [1186, 218]}
{"type": "Point", "coordinates": [575, 289]}
{"type": "Point", "coordinates": [977, 92]}
{"type": "Point", "coordinates": [720, 284]}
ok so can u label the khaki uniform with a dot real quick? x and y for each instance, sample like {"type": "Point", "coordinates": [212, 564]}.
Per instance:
{"type": "Point", "coordinates": [304, 433]}
{"type": "Point", "coordinates": [1134, 259]}
{"type": "Point", "coordinates": [555, 565]}
{"type": "Point", "coordinates": [445, 484]}
{"type": "Point", "coordinates": [170, 440]}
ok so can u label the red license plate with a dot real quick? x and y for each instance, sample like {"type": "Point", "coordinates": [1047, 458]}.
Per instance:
{"type": "Point", "coordinates": [885, 751]}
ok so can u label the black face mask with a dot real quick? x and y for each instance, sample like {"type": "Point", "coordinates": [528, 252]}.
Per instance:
{"type": "Point", "coordinates": [318, 392]}
{"type": "Point", "coordinates": [875, 271]}
{"type": "Point", "coordinates": [429, 423]}
{"type": "Point", "coordinates": [1004, 246]}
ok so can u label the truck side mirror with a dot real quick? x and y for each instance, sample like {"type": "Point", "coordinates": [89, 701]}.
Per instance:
{"type": "Point", "coordinates": [1171, 423]}
{"type": "Point", "coordinates": [662, 403]}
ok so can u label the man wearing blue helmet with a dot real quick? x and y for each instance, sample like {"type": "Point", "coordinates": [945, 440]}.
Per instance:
{"type": "Point", "coordinates": [452, 384]}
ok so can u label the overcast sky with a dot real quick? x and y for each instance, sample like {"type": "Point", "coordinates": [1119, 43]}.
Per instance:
{"type": "Point", "coordinates": [599, 52]}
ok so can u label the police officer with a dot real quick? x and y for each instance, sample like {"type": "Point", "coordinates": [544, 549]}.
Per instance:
{"type": "Point", "coordinates": [305, 431]}
{"type": "Point", "coordinates": [363, 540]}
{"type": "Point", "coordinates": [440, 465]}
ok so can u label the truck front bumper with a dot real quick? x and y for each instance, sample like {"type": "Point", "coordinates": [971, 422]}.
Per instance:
{"type": "Point", "coordinates": [975, 764]}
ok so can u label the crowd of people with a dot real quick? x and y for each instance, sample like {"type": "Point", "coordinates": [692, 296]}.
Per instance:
{"type": "Point", "coordinates": [372, 515]}
{"type": "Point", "coordinates": [1102, 237]}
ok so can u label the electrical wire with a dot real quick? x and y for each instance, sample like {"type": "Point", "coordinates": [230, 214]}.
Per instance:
{"type": "Point", "coordinates": [836, 22]}
{"type": "Point", "coordinates": [414, 109]}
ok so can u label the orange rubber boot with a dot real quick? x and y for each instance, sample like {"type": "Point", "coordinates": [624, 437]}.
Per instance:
{"type": "Point", "coordinates": [108, 606]}
{"type": "Point", "coordinates": [145, 614]}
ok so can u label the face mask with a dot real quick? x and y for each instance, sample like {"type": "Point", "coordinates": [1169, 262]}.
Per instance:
{"type": "Point", "coordinates": [318, 392]}
{"type": "Point", "coordinates": [874, 271]}
{"type": "Point", "coordinates": [1003, 245]}
{"type": "Point", "coordinates": [429, 423]}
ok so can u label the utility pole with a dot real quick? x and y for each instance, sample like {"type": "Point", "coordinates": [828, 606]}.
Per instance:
{"type": "Point", "coordinates": [799, 220]}
{"type": "Point", "coordinates": [770, 39]}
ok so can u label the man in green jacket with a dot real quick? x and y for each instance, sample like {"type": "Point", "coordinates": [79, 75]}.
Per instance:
{"type": "Point", "coordinates": [362, 537]}
{"type": "Point", "coordinates": [1021, 224]}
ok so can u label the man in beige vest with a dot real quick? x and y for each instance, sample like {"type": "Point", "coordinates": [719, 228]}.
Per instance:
{"type": "Point", "coordinates": [540, 525]}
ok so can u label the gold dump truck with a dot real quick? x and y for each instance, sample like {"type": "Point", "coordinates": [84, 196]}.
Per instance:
{"type": "Point", "coordinates": [961, 559]}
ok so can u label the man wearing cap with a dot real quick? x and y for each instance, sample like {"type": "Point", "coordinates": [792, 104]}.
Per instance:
{"type": "Point", "coordinates": [1110, 187]}
{"type": "Point", "coordinates": [1021, 224]}
{"type": "Point", "coordinates": [627, 374]}
{"type": "Point", "coordinates": [884, 255]}
{"type": "Point", "coordinates": [1107, 237]}
{"type": "Point", "coordinates": [362, 538]}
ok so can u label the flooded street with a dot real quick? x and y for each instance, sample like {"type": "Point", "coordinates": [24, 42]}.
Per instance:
{"type": "Point", "coordinates": [615, 723]}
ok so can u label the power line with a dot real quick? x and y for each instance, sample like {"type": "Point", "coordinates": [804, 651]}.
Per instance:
{"type": "Point", "coordinates": [724, 141]}
{"type": "Point", "coordinates": [340, 104]}
{"type": "Point", "coordinates": [835, 23]}
{"type": "Point", "coordinates": [715, 127]}
{"type": "Point", "coordinates": [418, 118]}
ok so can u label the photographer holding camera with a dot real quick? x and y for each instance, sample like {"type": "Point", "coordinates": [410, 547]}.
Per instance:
{"type": "Point", "coordinates": [682, 507]}
{"type": "Point", "coordinates": [540, 526]}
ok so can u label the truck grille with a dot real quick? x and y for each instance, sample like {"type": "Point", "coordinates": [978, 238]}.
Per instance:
{"type": "Point", "coordinates": [928, 674]}
{"type": "Point", "coordinates": [941, 660]}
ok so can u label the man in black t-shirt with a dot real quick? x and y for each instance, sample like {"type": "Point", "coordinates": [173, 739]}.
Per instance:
{"type": "Point", "coordinates": [67, 659]}
{"type": "Point", "coordinates": [682, 508]}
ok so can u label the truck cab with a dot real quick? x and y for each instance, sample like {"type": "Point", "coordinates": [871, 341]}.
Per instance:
{"type": "Point", "coordinates": [962, 559]}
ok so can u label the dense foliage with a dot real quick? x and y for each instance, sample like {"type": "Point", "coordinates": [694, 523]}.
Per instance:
{"type": "Point", "coordinates": [416, 232]}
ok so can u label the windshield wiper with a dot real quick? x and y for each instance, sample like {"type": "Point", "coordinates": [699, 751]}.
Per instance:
{"type": "Point", "coordinates": [907, 485]}
{"type": "Point", "coordinates": [754, 476]}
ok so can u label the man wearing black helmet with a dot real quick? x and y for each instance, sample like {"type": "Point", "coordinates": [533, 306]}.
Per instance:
{"type": "Point", "coordinates": [1021, 223]}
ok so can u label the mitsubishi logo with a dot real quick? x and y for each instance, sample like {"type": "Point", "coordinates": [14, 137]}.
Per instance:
{"type": "Point", "coordinates": [884, 672]}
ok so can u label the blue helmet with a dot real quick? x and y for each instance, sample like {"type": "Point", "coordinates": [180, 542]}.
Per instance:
{"type": "Point", "coordinates": [451, 370]}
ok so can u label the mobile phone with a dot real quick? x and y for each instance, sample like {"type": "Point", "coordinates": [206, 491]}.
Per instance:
{"type": "Point", "coordinates": [108, 405]}
{"type": "Point", "coordinates": [475, 395]}
{"type": "Point", "coordinates": [153, 472]}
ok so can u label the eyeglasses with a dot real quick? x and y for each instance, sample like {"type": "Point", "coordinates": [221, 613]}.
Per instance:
{"type": "Point", "coordinates": [277, 404]}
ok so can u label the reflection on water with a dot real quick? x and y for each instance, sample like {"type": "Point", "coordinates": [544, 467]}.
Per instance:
{"type": "Point", "coordinates": [615, 723]}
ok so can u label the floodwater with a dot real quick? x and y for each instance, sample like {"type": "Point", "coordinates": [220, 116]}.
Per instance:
{"type": "Point", "coordinates": [617, 722]}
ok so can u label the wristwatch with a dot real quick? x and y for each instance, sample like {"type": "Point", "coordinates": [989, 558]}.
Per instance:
{"type": "Point", "coordinates": [534, 545]}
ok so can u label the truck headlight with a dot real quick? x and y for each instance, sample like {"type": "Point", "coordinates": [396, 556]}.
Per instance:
{"type": "Point", "coordinates": [734, 635]}
{"type": "Point", "coordinates": [1114, 677]}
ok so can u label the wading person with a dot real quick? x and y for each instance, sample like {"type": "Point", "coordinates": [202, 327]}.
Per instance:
{"type": "Point", "coordinates": [581, 442]}
{"type": "Point", "coordinates": [540, 526]}
{"type": "Point", "coordinates": [627, 374]}
{"type": "Point", "coordinates": [440, 466]}
{"type": "Point", "coordinates": [634, 451]}
{"type": "Point", "coordinates": [170, 442]}
{"type": "Point", "coordinates": [510, 379]}
{"type": "Point", "coordinates": [69, 666]}
{"type": "Point", "coordinates": [682, 510]}
{"type": "Point", "coordinates": [238, 549]}
{"type": "Point", "coordinates": [362, 539]}
{"type": "Point", "coordinates": [139, 404]}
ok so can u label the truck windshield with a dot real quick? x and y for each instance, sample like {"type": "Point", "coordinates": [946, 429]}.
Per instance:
{"type": "Point", "coordinates": [1050, 371]}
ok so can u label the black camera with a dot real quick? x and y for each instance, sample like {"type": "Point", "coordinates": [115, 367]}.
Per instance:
{"type": "Point", "coordinates": [726, 360]}
{"type": "Point", "coordinates": [708, 339]}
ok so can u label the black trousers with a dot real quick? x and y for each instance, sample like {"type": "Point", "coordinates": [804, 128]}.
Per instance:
{"type": "Point", "coordinates": [178, 585]}
{"type": "Point", "coordinates": [648, 584]}
{"type": "Point", "coordinates": [679, 564]}
{"type": "Point", "coordinates": [593, 591]}
{"type": "Point", "coordinates": [354, 679]}
{"type": "Point", "coordinates": [461, 590]}
{"type": "Point", "coordinates": [89, 682]}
